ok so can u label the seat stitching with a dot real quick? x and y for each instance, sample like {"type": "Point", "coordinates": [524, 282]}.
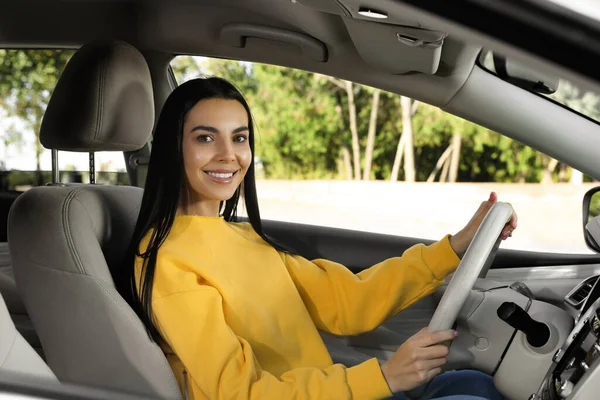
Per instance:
{"type": "Point", "coordinates": [100, 108]}
{"type": "Point", "coordinates": [38, 264]}
{"type": "Point", "coordinates": [128, 312]}
{"type": "Point", "coordinates": [67, 230]}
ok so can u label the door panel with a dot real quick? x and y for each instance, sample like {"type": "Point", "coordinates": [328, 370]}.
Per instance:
{"type": "Point", "coordinates": [550, 276]}
{"type": "Point", "coordinates": [360, 250]}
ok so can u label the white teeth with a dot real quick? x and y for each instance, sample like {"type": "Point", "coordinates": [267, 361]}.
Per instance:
{"type": "Point", "coordinates": [222, 176]}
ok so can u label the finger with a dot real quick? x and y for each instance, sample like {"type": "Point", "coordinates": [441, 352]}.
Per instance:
{"type": "Point", "coordinates": [433, 373]}
{"type": "Point", "coordinates": [437, 337]}
{"type": "Point", "coordinates": [428, 365]}
{"type": "Point", "coordinates": [433, 352]}
{"type": "Point", "coordinates": [506, 233]}
{"type": "Point", "coordinates": [489, 202]}
{"type": "Point", "coordinates": [513, 218]}
{"type": "Point", "coordinates": [419, 335]}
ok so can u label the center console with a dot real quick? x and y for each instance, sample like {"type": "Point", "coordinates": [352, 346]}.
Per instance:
{"type": "Point", "coordinates": [575, 371]}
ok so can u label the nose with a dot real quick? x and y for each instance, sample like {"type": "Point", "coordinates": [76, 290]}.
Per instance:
{"type": "Point", "coordinates": [225, 151]}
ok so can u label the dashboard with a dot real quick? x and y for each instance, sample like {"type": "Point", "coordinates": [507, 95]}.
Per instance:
{"type": "Point", "coordinates": [575, 371]}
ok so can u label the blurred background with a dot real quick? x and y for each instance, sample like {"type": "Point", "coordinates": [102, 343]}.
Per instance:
{"type": "Point", "coordinates": [334, 153]}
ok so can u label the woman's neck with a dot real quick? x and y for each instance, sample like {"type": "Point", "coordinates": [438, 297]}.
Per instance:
{"type": "Point", "coordinates": [202, 208]}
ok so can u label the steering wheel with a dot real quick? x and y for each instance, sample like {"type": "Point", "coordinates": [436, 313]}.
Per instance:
{"type": "Point", "coordinates": [475, 263]}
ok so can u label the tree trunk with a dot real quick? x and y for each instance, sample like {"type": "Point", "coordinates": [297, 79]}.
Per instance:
{"type": "Point", "coordinates": [353, 129]}
{"type": "Point", "coordinates": [549, 170]}
{"type": "Point", "coordinates": [371, 135]}
{"type": "Point", "coordinates": [576, 177]}
{"type": "Point", "coordinates": [398, 159]}
{"type": "Point", "coordinates": [407, 132]}
{"type": "Point", "coordinates": [345, 153]}
{"type": "Point", "coordinates": [445, 169]}
{"type": "Point", "coordinates": [346, 162]}
{"type": "Point", "coordinates": [455, 160]}
{"type": "Point", "coordinates": [440, 163]}
{"type": "Point", "coordinates": [562, 173]}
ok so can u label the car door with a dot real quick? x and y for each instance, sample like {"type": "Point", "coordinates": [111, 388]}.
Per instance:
{"type": "Point", "coordinates": [382, 219]}
{"type": "Point", "coordinates": [549, 275]}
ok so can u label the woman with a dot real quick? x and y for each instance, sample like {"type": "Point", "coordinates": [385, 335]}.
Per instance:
{"type": "Point", "coordinates": [237, 315]}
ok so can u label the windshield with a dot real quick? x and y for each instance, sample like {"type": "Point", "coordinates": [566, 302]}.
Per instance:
{"type": "Point", "coordinates": [588, 8]}
{"type": "Point", "coordinates": [570, 95]}
{"type": "Point", "coordinates": [577, 99]}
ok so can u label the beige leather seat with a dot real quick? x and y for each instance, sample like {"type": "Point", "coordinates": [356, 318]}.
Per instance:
{"type": "Point", "coordinates": [13, 302]}
{"type": "Point", "coordinates": [63, 239]}
{"type": "Point", "coordinates": [16, 355]}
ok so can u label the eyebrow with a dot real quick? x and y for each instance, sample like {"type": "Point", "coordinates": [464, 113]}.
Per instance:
{"type": "Point", "coordinates": [215, 130]}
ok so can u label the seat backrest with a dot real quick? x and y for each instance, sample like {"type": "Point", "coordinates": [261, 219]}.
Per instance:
{"type": "Point", "coordinates": [8, 286]}
{"type": "Point", "coordinates": [16, 355]}
{"type": "Point", "coordinates": [64, 239]}
{"type": "Point", "coordinates": [12, 299]}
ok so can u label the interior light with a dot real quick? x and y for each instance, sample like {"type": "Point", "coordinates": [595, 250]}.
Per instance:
{"type": "Point", "coordinates": [370, 13]}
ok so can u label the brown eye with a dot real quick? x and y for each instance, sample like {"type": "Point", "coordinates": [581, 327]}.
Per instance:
{"type": "Point", "coordinates": [240, 138]}
{"type": "Point", "coordinates": [205, 138]}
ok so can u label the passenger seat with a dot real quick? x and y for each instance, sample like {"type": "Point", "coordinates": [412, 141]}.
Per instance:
{"type": "Point", "coordinates": [65, 239]}
{"type": "Point", "coordinates": [8, 287]}
{"type": "Point", "coordinates": [16, 356]}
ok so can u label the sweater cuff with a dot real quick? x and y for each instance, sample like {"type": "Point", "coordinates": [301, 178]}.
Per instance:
{"type": "Point", "coordinates": [366, 381]}
{"type": "Point", "coordinates": [441, 258]}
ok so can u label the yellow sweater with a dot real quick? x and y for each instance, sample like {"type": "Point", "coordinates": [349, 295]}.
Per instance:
{"type": "Point", "coordinates": [240, 319]}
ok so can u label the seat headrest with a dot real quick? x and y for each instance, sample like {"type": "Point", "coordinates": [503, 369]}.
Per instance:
{"type": "Point", "coordinates": [103, 101]}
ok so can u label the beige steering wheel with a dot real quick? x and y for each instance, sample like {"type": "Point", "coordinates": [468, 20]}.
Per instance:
{"type": "Point", "coordinates": [474, 264]}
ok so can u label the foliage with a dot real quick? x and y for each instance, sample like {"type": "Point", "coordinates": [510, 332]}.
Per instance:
{"type": "Point", "coordinates": [27, 79]}
{"type": "Point", "coordinates": [594, 209]}
{"type": "Point", "coordinates": [302, 120]}
{"type": "Point", "coordinates": [585, 102]}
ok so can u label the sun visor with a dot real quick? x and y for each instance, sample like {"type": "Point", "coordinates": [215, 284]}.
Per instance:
{"type": "Point", "coordinates": [396, 49]}
{"type": "Point", "coordinates": [390, 43]}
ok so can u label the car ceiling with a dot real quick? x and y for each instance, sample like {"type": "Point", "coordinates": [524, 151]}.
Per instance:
{"type": "Point", "coordinates": [195, 27]}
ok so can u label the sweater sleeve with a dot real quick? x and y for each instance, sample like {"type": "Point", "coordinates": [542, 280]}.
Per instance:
{"type": "Point", "coordinates": [222, 365]}
{"type": "Point", "coordinates": [344, 303]}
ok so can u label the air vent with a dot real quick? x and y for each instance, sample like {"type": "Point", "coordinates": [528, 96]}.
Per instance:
{"type": "Point", "coordinates": [577, 296]}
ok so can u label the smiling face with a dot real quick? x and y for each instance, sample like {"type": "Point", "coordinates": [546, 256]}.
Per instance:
{"type": "Point", "coordinates": [216, 154]}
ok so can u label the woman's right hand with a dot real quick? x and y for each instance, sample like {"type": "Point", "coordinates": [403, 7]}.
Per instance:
{"type": "Point", "coordinates": [418, 360]}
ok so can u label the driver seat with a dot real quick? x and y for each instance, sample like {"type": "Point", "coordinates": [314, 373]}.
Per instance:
{"type": "Point", "coordinates": [64, 239]}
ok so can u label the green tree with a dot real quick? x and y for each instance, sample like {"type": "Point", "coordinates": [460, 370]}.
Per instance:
{"type": "Point", "coordinates": [186, 67]}
{"type": "Point", "coordinates": [27, 79]}
{"type": "Point", "coordinates": [297, 123]}
{"type": "Point", "coordinates": [312, 126]}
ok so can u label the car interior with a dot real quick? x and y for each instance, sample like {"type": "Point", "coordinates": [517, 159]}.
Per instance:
{"type": "Point", "coordinates": [529, 319]}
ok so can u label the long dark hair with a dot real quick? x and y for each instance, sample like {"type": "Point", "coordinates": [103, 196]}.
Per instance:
{"type": "Point", "coordinates": [165, 184]}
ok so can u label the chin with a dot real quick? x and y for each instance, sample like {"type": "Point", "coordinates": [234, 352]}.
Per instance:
{"type": "Point", "coordinates": [221, 196]}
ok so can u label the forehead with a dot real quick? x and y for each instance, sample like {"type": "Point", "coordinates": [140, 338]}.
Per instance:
{"type": "Point", "coordinates": [218, 111]}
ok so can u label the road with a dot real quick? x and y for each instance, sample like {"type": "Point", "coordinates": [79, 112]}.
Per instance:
{"type": "Point", "coordinates": [549, 217]}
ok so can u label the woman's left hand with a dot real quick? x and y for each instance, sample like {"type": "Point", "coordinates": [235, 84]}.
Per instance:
{"type": "Point", "coordinates": [460, 242]}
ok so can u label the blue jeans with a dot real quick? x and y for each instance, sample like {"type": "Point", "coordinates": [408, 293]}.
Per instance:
{"type": "Point", "coordinates": [455, 385]}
